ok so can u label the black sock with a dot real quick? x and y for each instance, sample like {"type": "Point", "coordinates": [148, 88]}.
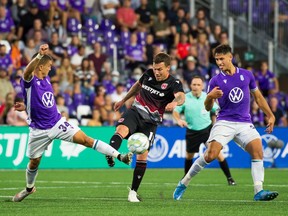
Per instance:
{"type": "Point", "coordinates": [138, 174]}
{"type": "Point", "coordinates": [225, 168]}
{"type": "Point", "coordinates": [188, 164]}
{"type": "Point", "coordinates": [116, 141]}
{"type": "Point", "coordinates": [29, 189]}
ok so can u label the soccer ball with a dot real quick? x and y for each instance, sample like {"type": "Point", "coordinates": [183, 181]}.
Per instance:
{"type": "Point", "coordinates": [138, 143]}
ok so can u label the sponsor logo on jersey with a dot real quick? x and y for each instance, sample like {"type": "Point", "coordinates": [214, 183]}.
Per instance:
{"type": "Point", "coordinates": [236, 95]}
{"type": "Point", "coordinates": [241, 77]}
{"type": "Point", "coordinates": [153, 91]}
{"type": "Point", "coordinates": [48, 99]}
{"type": "Point", "coordinates": [164, 86]}
{"type": "Point", "coordinates": [225, 81]}
{"type": "Point", "coordinates": [159, 149]}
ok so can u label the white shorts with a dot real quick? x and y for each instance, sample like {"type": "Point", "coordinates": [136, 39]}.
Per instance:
{"type": "Point", "coordinates": [241, 132]}
{"type": "Point", "coordinates": [40, 139]}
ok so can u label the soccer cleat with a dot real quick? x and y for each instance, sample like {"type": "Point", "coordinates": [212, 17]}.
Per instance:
{"type": "Point", "coordinates": [265, 195]}
{"type": "Point", "coordinates": [179, 191]}
{"type": "Point", "coordinates": [110, 161]}
{"type": "Point", "coordinates": [127, 158]}
{"type": "Point", "coordinates": [133, 196]}
{"type": "Point", "coordinates": [22, 195]}
{"type": "Point", "coordinates": [231, 181]}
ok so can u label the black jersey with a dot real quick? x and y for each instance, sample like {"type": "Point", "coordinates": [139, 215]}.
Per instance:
{"type": "Point", "coordinates": [155, 95]}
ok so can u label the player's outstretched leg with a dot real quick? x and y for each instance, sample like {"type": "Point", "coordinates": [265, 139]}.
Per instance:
{"type": "Point", "coordinates": [265, 195]}
{"type": "Point", "coordinates": [125, 158]}
{"type": "Point", "coordinates": [23, 194]}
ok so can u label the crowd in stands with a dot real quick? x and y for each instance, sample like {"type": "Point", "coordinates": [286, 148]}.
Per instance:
{"type": "Point", "coordinates": [89, 75]}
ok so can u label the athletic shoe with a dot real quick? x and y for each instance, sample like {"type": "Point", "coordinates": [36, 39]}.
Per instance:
{"type": "Point", "coordinates": [179, 191]}
{"type": "Point", "coordinates": [22, 195]}
{"type": "Point", "coordinates": [231, 181]}
{"type": "Point", "coordinates": [265, 195]}
{"type": "Point", "coordinates": [133, 196]}
{"type": "Point", "coordinates": [110, 160]}
{"type": "Point", "coordinates": [127, 158]}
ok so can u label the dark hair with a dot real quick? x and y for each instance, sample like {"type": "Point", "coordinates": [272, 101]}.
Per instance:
{"type": "Point", "coordinates": [222, 49]}
{"type": "Point", "coordinates": [162, 57]}
{"type": "Point", "coordinates": [197, 77]}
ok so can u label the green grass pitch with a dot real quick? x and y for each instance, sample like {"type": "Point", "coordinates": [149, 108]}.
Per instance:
{"type": "Point", "coordinates": [104, 192]}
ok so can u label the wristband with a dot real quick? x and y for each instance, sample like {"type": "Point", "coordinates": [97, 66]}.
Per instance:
{"type": "Point", "coordinates": [39, 56]}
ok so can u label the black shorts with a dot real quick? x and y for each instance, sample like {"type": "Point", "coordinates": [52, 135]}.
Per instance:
{"type": "Point", "coordinates": [133, 120]}
{"type": "Point", "coordinates": [195, 138]}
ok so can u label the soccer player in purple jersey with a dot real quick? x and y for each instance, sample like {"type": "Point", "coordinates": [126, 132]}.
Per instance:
{"type": "Point", "coordinates": [46, 123]}
{"type": "Point", "coordinates": [231, 89]}
{"type": "Point", "coordinates": [155, 92]}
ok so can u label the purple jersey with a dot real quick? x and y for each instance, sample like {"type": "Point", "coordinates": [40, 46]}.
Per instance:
{"type": "Point", "coordinates": [235, 102]}
{"type": "Point", "coordinates": [77, 4]}
{"type": "Point", "coordinates": [5, 61]}
{"type": "Point", "coordinates": [265, 81]}
{"type": "Point", "coordinates": [43, 4]}
{"type": "Point", "coordinates": [40, 103]}
{"type": "Point", "coordinates": [6, 24]}
{"type": "Point", "coordinates": [135, 51]}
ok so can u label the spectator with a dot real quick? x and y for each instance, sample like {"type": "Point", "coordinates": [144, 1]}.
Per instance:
{"type": "Point", "coordinates": [203, 50]}
{"type": "Point", "coordinates": [56, 26]}
{"type": "Point", "coordinates": [183, 47]}
{"type": "Point", "coordinates": [172, 12]}
{"type": "Point", "coordinates": [111, 119]}
{"type": "Point", "coordinates": [37, 37]}
{"type": "Point", "coordinates": [37, 26]}
{"type": "Point", "coordinates": [191, 70]}
{"type": "Point", "coordinates": [119, 93]}
{"type": "Point", "coordinates": [161, 28]}
{"type": "Point", "coordinates": [18, 9]}
{"type": "Point", "coordinates": [135, 53]}
{"type": "Point", "coordinates": [126, 16]}
{"type": "Point", "coordinates": [200, 15]}
{"type": "Point", "coordinates": [5, 60]}
{"type": "Point", "coordinates": [266, 80]}
{"type": "Point", "coordinates": [15, 54]}
{"type": "Point", "coordinates": [109, 8]}
{"type": "Point", "coordinates": [57, 50]}
{"type": "Point", "coordinates": [16, 118]}
{"type": "Point", "coordinates": [7, 26]}
{"type": "Point", "coordinates": [149, 49]}
{"type": "Point", "coordinates": [257, 115]}
{"type": "Point", "coordinates": [65, 74]}
{"type": "Point", "coordinates": [185, 29]}
{"type": "Point", "coordinates": [60, 100]}
{"type": "Point", "coordinates": [96, 120]}
{"type": "Point", "coordinates": [77, 58]}
{"type": "Point", "coordinates": [27, 21]}
{"type": "Point", "coordinates": [144, 16]}
{"type": "Point", "coordinates": [16, 83]}
{"type": "Point", "coordinates": [29, 51]}
{"type": "Point", "coordinates": [6, 105]}
{"type": "Point", "coordinates": [280, 116]}
{"type": "Point", "coordinates": [176, 25]}
{"type": "Point", "coordinates": [87, 76]}
{"type": "Point", "coordinates": [98, 58]}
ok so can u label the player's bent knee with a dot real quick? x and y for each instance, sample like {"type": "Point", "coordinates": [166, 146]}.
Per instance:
{"type": "Point", "coordinates": [34, 163]}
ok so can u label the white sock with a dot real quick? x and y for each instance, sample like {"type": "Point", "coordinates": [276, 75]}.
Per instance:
{"type": "Point", "coordinates": [197, 166]}
{"type": "Point", "coordinates": [105, 148]}
{"type": "Point", "coordinates": [31, 177]}
{"type": "Point", "coordinates": [257, 171]}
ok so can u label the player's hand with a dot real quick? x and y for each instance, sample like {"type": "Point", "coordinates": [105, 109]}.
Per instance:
{"type": "Point", "coordinates": [182, 123]}
{"type": "Point", "coordinates": [171, 106]}
{"type": "Point", "coordinates": [270, 125]}
{"type": "Point", "coordinates": [44, 49]}
{"type": "Point", "coordinates": [19, 106]}
{"type": "Point", "coordinates": [215, 93]}
{"type": "Point", "coordinates": [118, 105]}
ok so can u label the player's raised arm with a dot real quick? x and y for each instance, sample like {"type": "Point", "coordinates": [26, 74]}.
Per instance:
{"type": "Point", "coordinates": [134, 90]}
{"type": "Point", "coordinates": [28, 72]}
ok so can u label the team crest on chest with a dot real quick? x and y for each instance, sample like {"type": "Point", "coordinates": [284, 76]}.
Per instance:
{"type": "Point", "coordinates": [164, 86]}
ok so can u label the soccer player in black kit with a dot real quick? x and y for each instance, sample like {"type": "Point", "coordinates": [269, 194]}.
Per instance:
{"type": "Point", "coordinates": [155, 92]}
